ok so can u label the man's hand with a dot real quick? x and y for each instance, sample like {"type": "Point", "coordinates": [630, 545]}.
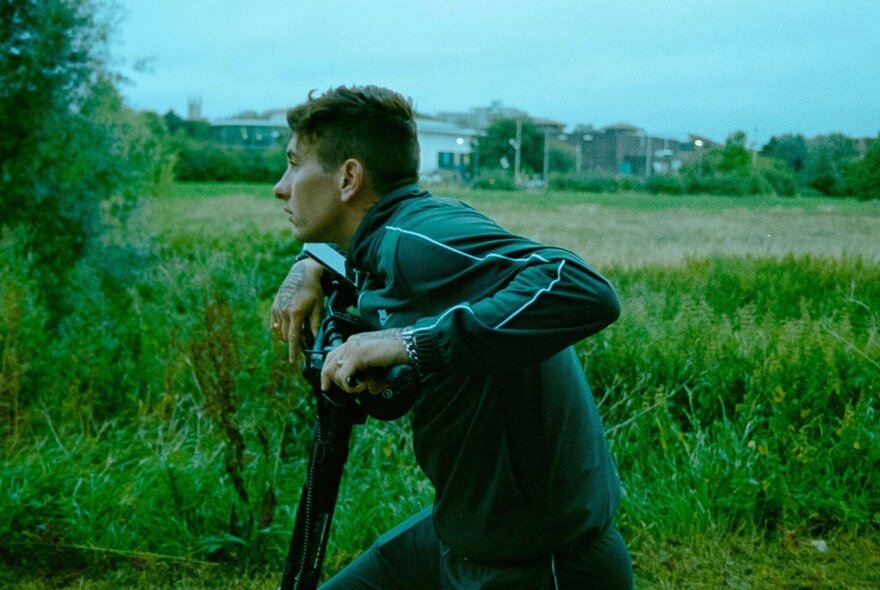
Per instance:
{"type": "Point", "coordinates": [361, 352]}
{"type": "Point", "coordinates": [298, 305]}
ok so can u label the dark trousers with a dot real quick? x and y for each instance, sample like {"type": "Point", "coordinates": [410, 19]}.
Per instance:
{"type": "Point", "coordinates": [411, 556]}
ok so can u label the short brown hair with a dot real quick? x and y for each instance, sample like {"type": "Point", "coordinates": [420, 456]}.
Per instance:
{"type": "Point", "coordinates": [371, 124]}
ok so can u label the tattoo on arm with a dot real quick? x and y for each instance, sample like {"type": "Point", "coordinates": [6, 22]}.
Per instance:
{"type": "Point", "coordinates": [385, 335]}
{"type": "Point", "coordinates": [292, 283]}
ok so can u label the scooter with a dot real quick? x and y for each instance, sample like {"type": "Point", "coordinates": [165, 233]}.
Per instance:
{"type": "Point", "coordinates": [337, 413]}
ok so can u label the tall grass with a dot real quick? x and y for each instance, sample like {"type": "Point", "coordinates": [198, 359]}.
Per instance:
{"type": "Point", "coordinates": [161, 421]}
{"type": "Point", "coordinates": [759, 382]}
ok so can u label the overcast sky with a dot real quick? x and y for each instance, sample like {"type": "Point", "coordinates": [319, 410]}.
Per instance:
{"type": "Point", "coordinates": [672, 67]}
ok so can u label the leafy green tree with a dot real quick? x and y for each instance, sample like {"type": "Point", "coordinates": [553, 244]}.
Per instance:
{"type": "Point", "coordinates": [863, 176]}
{"type": "Point", "coordinates": [791, 149]}
{"type": "Point", "coordinates": [562, 158]}
{"type": "Point", "coordinates": [735, 158]}
{"type": "Point", "coordinates": [734, 170]}
{"type": "Point", "coordinates": [198, 130]}
{"type": "Point", "coordinates": [827, 159]}
{"type": "Point", "coordinates": [70, 152]}
{"type": "Point", "coordinates": [498, 144]}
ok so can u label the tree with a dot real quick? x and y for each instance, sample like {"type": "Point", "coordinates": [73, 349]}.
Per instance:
{"type": "Point", "coordinates": [735, 158]}
{"type": "Point", "coordinates": [562, 158]}
{"type": "Point", "coordinates": [734, 170]}
{"type": "Point", "coordinates": [863, 176]}
{"type": "Point", "coordinates": [70, 152]}
{"type": "Point", "coordinates": [791, 149]}
{"type": "Point", "coordinates": [827, 158]}
{"type": "Point", "coordinates": [497, 146]}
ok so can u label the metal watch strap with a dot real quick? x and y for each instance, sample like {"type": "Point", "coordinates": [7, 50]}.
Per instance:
{"type": "Point", "coordinates": [410, 346]}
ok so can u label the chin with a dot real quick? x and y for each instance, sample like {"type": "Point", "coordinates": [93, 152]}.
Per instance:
{"type": "Point", "coordinates": [300, 235]}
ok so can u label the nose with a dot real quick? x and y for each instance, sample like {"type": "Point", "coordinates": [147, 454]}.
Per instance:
{"type": "Point", "coordinates": [281, 190]}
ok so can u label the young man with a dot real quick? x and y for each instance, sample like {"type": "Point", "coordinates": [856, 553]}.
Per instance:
{"type": "Point", "coordinates": [504, 425]}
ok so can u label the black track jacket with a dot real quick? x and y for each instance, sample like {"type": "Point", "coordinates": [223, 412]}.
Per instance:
{"type": "Point", "coordinates": [505, 426]}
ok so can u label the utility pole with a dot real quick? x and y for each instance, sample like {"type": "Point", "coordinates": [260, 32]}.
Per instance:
{"type": "Point", "coordinates": [518, 154]}
{"type": "Point", "coordinates": [546, 158]}
{"type": "Point", "coordinates": [699, 144]}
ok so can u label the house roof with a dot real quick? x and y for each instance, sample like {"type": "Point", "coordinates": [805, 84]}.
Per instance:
{"type": "Point", "coordinates": [621, 127]}
{"type": "Point", "coordinates": [272, 123]}
{"type": "Point", "coordinates": [436, 126]}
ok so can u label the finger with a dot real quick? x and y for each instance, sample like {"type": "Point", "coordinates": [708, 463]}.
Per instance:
{"type": "Point", "coordinates": [315, 319]}
{"type": "Point", "coordinates": [292, 350]}
{"type": "Point", "coordinates": [342, 372]}
{"type": "Point", "coordinates": [329, 368]}
{"type": "Point", "coordinates": [348, 379]}
{"type": "Point", "coordinates": [350, 383]}
{"type": "Point", "coordinates": [293, 337]}
{"type": "Point", "coordinates": [283, 326]}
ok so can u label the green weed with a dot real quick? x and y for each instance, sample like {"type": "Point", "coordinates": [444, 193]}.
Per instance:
{"type": "Point", "coordinates": [160, 424]}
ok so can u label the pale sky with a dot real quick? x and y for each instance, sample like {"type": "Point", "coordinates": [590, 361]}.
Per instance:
{"type": "Point", "coordinates": [672, 67]}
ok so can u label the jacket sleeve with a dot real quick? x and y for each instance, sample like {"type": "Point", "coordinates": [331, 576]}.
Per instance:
{"type": "Point", "coordinates": [549, 299]}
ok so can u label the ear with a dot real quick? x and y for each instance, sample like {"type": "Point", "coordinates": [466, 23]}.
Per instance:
{"type": "Point", "coordinates": [352, 179]}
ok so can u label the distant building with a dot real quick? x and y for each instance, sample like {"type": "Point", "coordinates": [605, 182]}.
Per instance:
{"type": "Point", "coordinates": [445, 147]}
{"type": "Point", "coordinates": [547, 126]}
{"type": "Point", "coordinates": [194, 108]}
{"type": "Point", "coordinates": [250, 130]}
{"type": "Point", "coordinates": [479, 118]}
{"type": "Point", "coordinates": [626, 150]}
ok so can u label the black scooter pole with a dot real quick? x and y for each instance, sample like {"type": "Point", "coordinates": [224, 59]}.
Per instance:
{"type": "Point", "coordinates": [302, 568]}
{"type": "Point", "coordinates": [336, 415]}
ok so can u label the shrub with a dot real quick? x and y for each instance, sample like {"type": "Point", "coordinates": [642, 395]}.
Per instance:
{"type": "Point", "coordinates": [495, 181]}
{"type": "Point", "coordinates": [863, 176]}
{"type": "Point", "coordinates": [71, 154]}
{"type": "Point", "coordinates": [208, 161]}
{"type": "Point", "coordinates": [665, 184]}
{"type": "Point", "coordinates": [584, 184]}
{"type": "Point", "coordinates": [780, 178]}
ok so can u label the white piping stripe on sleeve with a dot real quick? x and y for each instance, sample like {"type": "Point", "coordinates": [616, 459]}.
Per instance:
{"type": "Point", "coordinates": [538, 294]}
{"type": "Point", "coordinates": [553, 572]}
{"type": "Point", "coordinates": [463, 306]}
{"type": "Point", "coordinates": [465, 254]}
{"type": "Point", "coordinates": [468, 308]}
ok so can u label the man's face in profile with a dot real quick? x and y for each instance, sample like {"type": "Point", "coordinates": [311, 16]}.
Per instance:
{"type": "Point", "coordinates": [311, 194]}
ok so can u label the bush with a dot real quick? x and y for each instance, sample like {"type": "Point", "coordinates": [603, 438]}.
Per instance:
{"type": "Point", "coordinates": [495, 181]}
{"type": "Point", "coordinates": [665, 184]}
{"type": "Point", "coordinates": [208, 161]}
{"type": "Point", "coordinates": [720, 184]}
{"type": "Point", "coordinates": [780, 178]}
{"type": "Point", "coordinates": [584, 184]}
{"type": "Point", "coordinates": [173, 425]}
{"type": "Point", "coordinates": [863, 176]}
{"type": "Point", "coordinates": [72, 155]}
{"type": "Point", "coordinates": [757, 395]}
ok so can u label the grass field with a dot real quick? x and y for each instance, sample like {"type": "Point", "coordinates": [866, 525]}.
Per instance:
{"type": "Point", "coordinates": [739, 390]}
{"type": "Point", "coordinates": [628, 229]}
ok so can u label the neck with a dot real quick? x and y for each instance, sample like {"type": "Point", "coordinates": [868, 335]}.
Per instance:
{"type": "Point", "coordinates": [355, 215]}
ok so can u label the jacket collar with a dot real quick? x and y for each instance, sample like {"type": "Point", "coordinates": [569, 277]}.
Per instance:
{"type": "Point", "coordinates": [366, 237]}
